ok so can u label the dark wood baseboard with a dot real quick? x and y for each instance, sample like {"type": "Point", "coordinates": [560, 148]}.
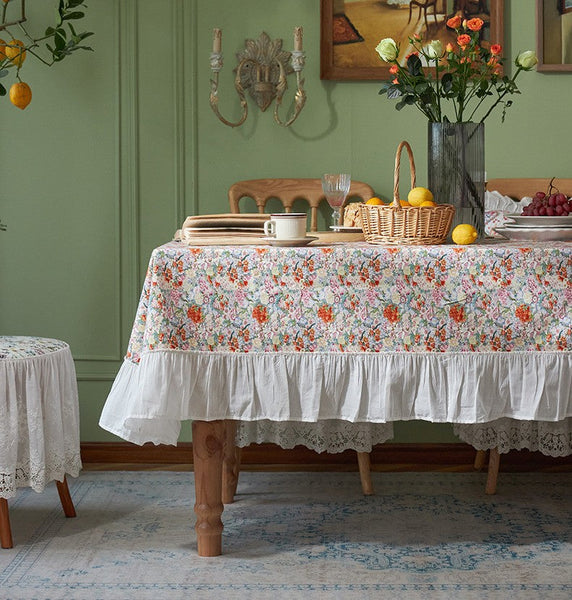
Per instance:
{"type": "Point", "coordinates": [385, 457]}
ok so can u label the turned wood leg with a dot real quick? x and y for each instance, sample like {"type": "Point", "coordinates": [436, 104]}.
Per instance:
{"type": "Point", "coordinates": [65, 498]}
{"type": "Point", "coordinates": [494, 463]}
{"type": "Point", "coordinates": [208, 446]}
{"type": "Point", "coordinates": [5, 530]}
{"type": "Point", "coordinates": [364, 465]}
{"type": "Point", "coordinates": [480, 459]}
{"type": "Point", "coordinates": [230, 463]}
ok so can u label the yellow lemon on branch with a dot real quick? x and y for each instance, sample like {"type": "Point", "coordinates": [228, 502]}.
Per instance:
{"type": "Point", "coordinates": [20, 94]}
{"type": "Point", "coordinates": [15, 51]}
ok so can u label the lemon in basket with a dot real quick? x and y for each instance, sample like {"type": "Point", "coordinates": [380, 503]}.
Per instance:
{"type": "Point", "coordinates": [418, 195]}
{"type": "Point", "coordinates": [464, 234]}
{"type": "Point", "coordinates": [375, 201]}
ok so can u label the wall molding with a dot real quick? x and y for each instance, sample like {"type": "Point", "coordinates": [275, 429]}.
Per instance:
{"type": "Point", "coordinates": [384, 457]}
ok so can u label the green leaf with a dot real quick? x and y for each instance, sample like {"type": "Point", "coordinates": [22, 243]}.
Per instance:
{"type": "Point", "coordinates": [4, 72]}
{"type": "Point", "coordinates": [414, 65]}
{"type": "Point", "coordinates": [74, 15]}
{"type": "Point", "coordinates": [447, 82]}
{"type": "Point", "coordinates": [394, 92]}
{"type": "Point", "coordinates": [2, 90]}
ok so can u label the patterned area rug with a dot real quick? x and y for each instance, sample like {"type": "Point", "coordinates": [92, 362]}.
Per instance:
{"type": "Point", "coordinates": [296, 535]}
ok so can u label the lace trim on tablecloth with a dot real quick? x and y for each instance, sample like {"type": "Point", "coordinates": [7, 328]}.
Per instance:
{"type": "Point", "coordinates": [331, 436]}
{"type": "Point", "coordinates": [36, 474]}
{"type": "Point", "coordinates": [552, 439]}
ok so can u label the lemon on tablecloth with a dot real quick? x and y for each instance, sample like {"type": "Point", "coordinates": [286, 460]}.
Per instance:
{"type": "Point", "coordinates": [464, 234]}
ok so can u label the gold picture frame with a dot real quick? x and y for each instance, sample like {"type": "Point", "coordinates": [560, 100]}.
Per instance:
{"type": "Point", "coordinates": [348, 40]}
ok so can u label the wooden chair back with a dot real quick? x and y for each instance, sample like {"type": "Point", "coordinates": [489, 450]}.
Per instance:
{"type": "Point", "coordinates": [519, 188]}
{"type": "Point", "coordinates": [288, 191]}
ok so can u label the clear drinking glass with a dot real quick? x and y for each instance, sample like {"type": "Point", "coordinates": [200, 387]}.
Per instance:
{"type": "Point", "coordinates": [336, 188]}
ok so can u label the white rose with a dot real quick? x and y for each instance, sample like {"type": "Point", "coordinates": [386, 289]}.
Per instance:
{"type": "Point", "coordinates": [526, 60]}
{"type": "Point", "coordinates": [434, 49]}
{"type": "Point", "coordinates": [387, 49]}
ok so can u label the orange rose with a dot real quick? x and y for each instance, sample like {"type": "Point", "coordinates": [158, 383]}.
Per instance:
{"type": "Point", "coordinates": [395, 81]}
{"type": "Point", "coordinates": [496, 49]}
{"type": "Point", "coordinates": [454, 22]}
{"type": "Point", "coordinates": [449, 47]}
{"type": "Point", "coordinates": [475, 24]}
{"type": "Point", "coordinates": [394, 69]}
{"type": "Point", "coordinates": [464, 40]}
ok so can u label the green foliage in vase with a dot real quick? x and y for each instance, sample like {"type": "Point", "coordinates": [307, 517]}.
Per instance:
{"type": "Point", "coordinates": [467, 77]}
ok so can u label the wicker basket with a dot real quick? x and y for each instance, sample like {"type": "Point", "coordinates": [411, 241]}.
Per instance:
{"type": "Point", "coordinates": [396, 224]}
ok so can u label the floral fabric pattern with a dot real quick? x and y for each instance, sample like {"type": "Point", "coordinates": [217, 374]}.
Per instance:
{"type": "Point", "coordinates": [18, 347]}
{"type": "Point", "coordinates": [494, 296]}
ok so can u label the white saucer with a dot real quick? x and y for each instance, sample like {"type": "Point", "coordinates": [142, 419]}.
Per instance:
{"type": "Point", "coordinates": [290, 242]}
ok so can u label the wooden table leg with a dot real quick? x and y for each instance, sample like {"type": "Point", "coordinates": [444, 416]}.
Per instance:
{"type": "Point", "coordinates": [364, 465]}
{"type": "Point", "coordinates": [208, 446]}
{"type": "Point", "coordinates": [494, 463]}
{"type": "Point", "coordinates": [480, 459]}
{"type": "Point", "coordinates": [5, 530]}
{"type": "Point", "coordinates": [230, 463]}
{"type": "Point", "coordinates": [65, 497]}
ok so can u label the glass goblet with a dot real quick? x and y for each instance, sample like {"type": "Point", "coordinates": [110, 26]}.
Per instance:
{"type": "Point", "coordinates": [336, 188]}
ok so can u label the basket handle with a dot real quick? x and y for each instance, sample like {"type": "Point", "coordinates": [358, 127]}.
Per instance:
{"type": "Point", "coordinates": [405, 145]}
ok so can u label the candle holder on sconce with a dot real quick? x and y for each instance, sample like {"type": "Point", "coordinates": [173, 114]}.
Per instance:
{"type": "Point", "coordinates": [263, 69]}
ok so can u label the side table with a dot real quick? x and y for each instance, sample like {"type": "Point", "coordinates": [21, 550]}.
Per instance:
{"type": "Point", "coordinates": [39, 421]}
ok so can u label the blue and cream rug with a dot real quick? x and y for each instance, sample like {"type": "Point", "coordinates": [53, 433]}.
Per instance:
{"type": "Point", "coordinates": [296, 535]}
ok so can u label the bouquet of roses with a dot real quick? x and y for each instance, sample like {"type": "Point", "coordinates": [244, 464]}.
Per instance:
{"type": "Point", "coordinates": [466, 74]}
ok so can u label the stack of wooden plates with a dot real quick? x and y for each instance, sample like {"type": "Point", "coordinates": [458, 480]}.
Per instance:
{"type": "Point", "coordinates": [536, 229]}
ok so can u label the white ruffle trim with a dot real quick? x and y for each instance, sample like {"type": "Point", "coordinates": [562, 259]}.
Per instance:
{"type": "Point", "coordinates": [148, 400]}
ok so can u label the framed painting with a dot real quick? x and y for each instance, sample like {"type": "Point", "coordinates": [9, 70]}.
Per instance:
{"type": "Point", "coordinates": [351, 29]}
{"type": "Point", "coordinates": [554, 35]}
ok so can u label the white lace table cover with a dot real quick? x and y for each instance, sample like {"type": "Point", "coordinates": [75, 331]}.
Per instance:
{"type": "Point", "coordinates": [331, 436]}
{"type": "Point", "coordinates": [39, 424]}
{"type": "Point", "coordinates": [552, 439]}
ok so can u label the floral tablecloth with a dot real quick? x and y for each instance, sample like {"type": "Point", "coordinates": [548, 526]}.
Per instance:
{"type": "Point", "coordinates": [362, 333]}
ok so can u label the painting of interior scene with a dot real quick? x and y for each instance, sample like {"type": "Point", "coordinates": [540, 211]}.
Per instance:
{"type": "Point", "coordinates": [359, 25]}
{"type": "Point", "coordinates": [557, 25]}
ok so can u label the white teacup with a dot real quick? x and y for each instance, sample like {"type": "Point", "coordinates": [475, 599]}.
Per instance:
{"type": "Point", "coordinates": [286, 226]}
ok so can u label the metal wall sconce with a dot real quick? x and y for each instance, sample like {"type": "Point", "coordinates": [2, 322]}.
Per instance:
{"type": "Point", "coordinates": [263, 68]}
{"type": "Point", "coordinates": [11, 14]}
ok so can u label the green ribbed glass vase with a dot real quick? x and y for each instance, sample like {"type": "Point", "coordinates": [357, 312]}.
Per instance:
{"type": "Point", "coordinates": [456, 170]}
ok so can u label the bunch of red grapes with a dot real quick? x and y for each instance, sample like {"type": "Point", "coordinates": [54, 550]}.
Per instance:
{"type": "Point", "coordinates": [548, 205]}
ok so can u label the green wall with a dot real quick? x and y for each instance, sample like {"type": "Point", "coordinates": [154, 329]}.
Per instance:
{"type": "Point", "coordinates": [120, 144]}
